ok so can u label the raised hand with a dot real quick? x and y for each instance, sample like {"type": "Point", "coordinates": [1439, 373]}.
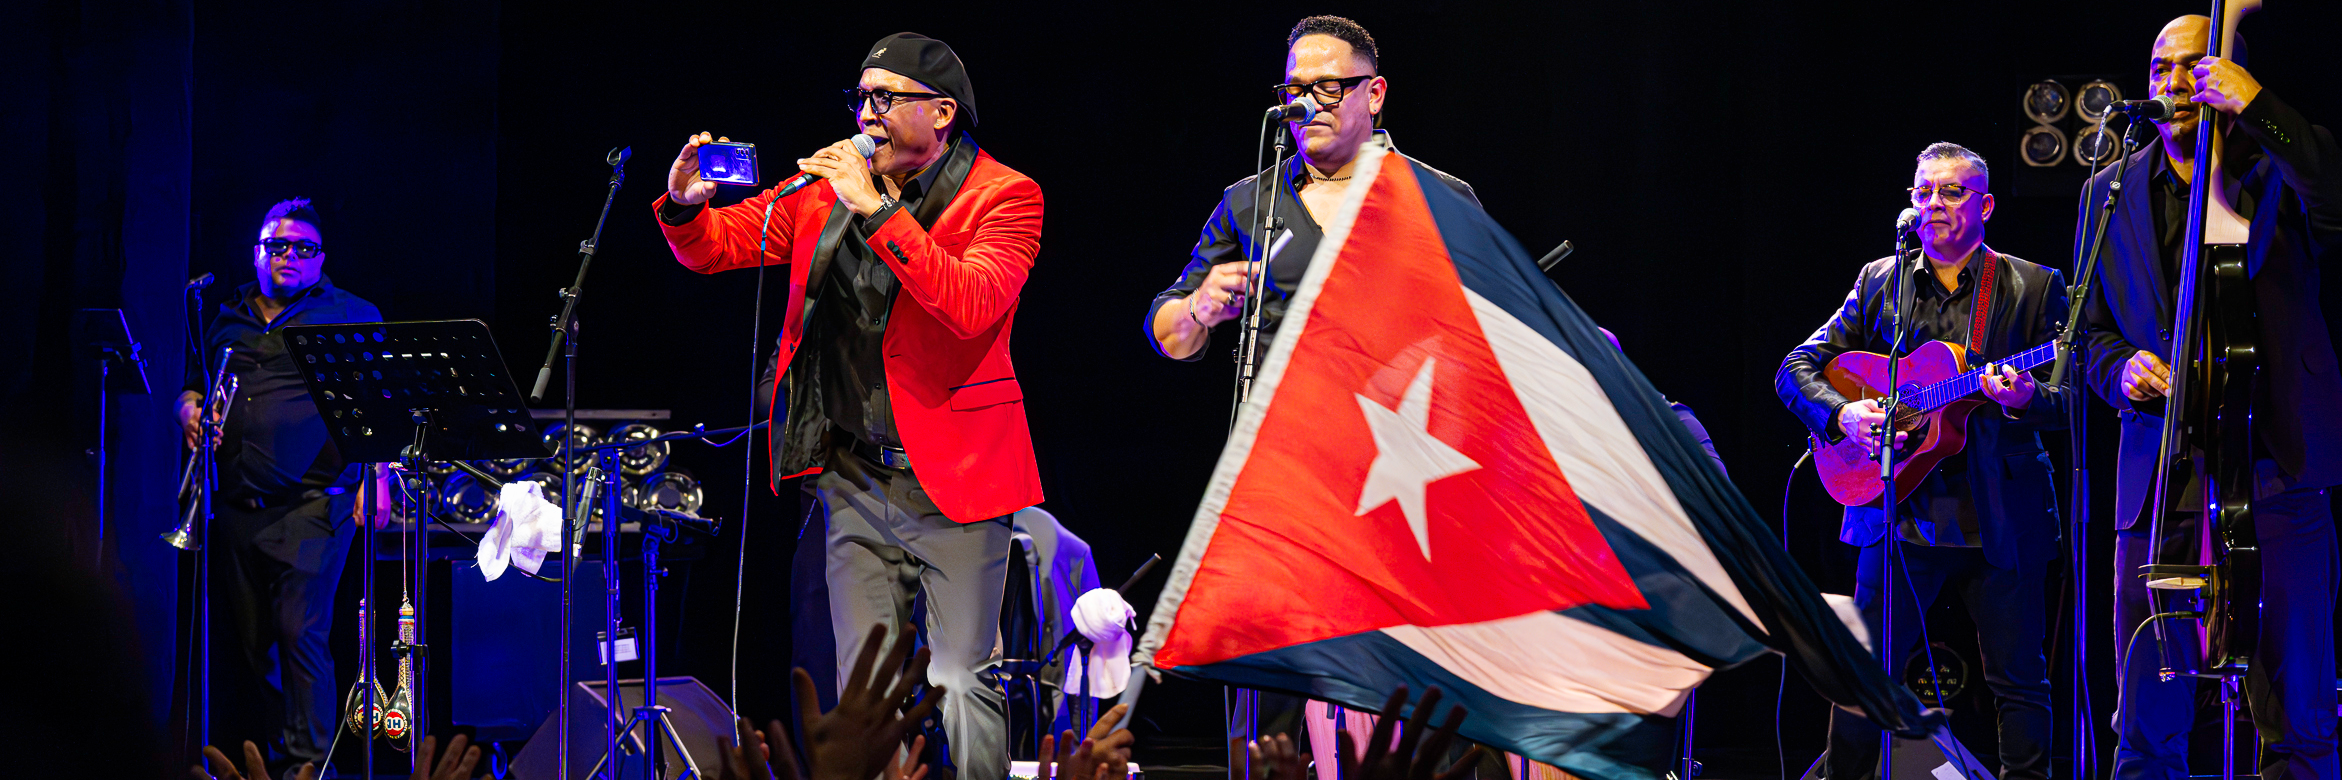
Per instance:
{"type": "Point", "coordinates": [455, 765]}
{"type": "Point", "coordinates": [1106, 752]}
{"type": "Point", "coordinates": [752, 758]}
{"type": "Point", "coordinates": [856, 740]}
{"type": "Point", "coordinates": [684, 186]}
{"type": "Point", "coordinates": [1059, 752]}
{"type": "Point", "coordinates": [1274, 758]}
{"type": "Point", "coordinates": [906, 764]}
{"type": "Point", "coordinates": [255, 768]}
{"type": "Point", "coordinates": [1416, 757]}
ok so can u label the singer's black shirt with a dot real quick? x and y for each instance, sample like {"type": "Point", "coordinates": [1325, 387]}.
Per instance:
{"type": "Point", "coordinates": [1228, 237]}
{"type": "Point", "coordinates": [851, 302]}
{"type": "Point", "coordinates": [273, 443]}
{"type": "Point", "coordinates": [845, 326]}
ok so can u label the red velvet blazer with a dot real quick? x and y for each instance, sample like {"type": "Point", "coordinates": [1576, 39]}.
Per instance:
{"type": "Point", "coordinates": [956, 400]}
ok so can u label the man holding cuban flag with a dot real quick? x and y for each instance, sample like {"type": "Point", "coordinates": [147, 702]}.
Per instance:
{"type": "Point", "coordinates": [1446, 477]}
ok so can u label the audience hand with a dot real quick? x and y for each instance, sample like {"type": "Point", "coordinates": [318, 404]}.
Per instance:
{"type": "Point", "coordinates": [455, 765]}
{"type": "Point", "coordinates": [1103, 754]}
{"type": "Point", "coordinates": [1415, 758]}
{"type": "Point", "coordinates": [858, 739]}
{"type": "Point", "coordinates": [255, 768]}
{"type": "Point", "coordinates": [752, 758]}
{"type": "Point", "coordinates": [1274, 758]}
{"type": "Point", "coordinates": [906, 764]}
{"type": "Point", "coordinates": [1059, 754]}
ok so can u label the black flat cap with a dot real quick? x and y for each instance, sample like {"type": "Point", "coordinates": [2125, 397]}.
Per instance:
{"type": "Point", "coordinates": [928, 60]}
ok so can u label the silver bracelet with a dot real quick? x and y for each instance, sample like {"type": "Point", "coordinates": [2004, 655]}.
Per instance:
{"type": "Point", "coordinates": [1189, 303]}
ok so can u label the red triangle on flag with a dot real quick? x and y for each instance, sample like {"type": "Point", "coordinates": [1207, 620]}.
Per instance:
{"type": "Point", "coordinates": [1496, 532]}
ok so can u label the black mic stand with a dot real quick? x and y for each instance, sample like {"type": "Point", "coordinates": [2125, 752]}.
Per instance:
{"type": "Point", "coordinates": [2078, 418]}
{"type": "Point", "coordinates": [1256, 283]}
{"type": "Point", "coordinates": [1886, 475]}
{"type": "Point", "coordinates": [657, 527]}
{"type": "Point", "coordinates": [564, 348]}
{"type": "Point", "coordinates": [1244, 711]}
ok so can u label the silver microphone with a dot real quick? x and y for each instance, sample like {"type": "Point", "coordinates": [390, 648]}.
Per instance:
{"type": "Point", "coordinates": [863, 144]}
{"type": "Point", "coordinates": [1302, 109]}
{"type": "Point", "coordinates": [2157, 108]}
{"type": "Point", "coordinates": [1905, 221]}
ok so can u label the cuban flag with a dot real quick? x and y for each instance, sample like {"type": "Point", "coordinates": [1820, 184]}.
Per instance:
{"type": "Point", "coordinates": [1446, 476]}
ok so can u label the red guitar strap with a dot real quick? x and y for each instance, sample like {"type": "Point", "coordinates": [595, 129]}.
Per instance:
{"type": "Point", "coordinates": [1980, 318]}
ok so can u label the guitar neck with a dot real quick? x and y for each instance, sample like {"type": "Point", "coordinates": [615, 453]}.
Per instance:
{"type": "Point", "coordinates": [1941, 394]}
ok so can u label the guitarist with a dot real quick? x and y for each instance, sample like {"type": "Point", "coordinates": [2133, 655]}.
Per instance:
{"type": "Point", "coordinates": [2287, 178]}
{"type": "Point", "coordinates": [1984, 522]}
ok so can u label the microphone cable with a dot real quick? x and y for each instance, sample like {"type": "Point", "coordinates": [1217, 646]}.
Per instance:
{"type": "Point", "coordinates": [748, 455]}
{"type": "Point", "coordinates": [1781, 686]}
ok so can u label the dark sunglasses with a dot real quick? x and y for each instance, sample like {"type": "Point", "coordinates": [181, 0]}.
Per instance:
{"type": "Point", "coordinates": [882, 100]}
{"type": "Point", "coordinates": [303, 248]}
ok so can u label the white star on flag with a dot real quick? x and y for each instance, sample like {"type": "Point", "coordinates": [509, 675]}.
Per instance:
{"type": "Point", "coordinates": [1407, 458]}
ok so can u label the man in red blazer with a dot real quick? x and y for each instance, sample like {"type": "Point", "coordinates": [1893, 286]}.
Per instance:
{"type": "Point", "coordinates": [898, 395]}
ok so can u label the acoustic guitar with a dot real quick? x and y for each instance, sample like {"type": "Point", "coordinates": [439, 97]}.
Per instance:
{"type": "Point", "coordinates": [1939, 392]}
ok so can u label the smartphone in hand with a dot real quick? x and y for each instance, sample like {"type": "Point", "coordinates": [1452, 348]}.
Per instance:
{"type": "Point", "coordinates": [728, 162]}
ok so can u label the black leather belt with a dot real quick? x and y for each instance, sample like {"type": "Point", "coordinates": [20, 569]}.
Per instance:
{"type": "Point", "coordinates": [890, 457]}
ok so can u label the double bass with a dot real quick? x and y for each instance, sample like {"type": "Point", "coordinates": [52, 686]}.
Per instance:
{"type": "Point", "coordinates": [2207, 423]}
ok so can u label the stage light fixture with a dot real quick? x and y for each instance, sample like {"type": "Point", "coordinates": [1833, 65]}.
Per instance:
{"type": "Point", "coordinates": [507, 469]}
{"type": "Point", "coordinates": [2047, 101]}
{"type": "Point", "coordinates": [2093, 100]}
{"type": "Point", "coordinates": [2096, 146]}
{"type": "Point", "coordinates": [643, 460]}
{"type": "Point", "coordinates": [580, 437]}
{"type": "Point", "coordinates": [674, 491]}
{"type": "Point", "coordinates": [2043, 146]}
{"type": "Point", "coordinates": [468, 500]}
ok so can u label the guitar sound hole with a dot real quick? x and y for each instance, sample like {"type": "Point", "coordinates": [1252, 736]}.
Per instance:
{"type": "Point", "coordinates": [1915, 434]}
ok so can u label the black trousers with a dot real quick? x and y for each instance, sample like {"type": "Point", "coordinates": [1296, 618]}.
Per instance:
{"type": "Point", "coordinates": [2006, 605]}
{"type": "Point", "coordinates": [2290, 688]}
{"type": "Point", "coordinates": [274, 573]}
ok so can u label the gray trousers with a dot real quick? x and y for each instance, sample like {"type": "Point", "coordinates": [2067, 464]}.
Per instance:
{"type": "Point", "coordinates": [888, 545]}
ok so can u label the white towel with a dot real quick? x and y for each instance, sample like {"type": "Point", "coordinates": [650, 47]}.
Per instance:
{"type": "Point", "coordinates": [526, 528]}
{"type": "Point", "coordinates": [1100, 615]}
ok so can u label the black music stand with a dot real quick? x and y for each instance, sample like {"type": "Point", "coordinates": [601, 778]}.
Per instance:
{"type": "Point", "coordinates": [411, 392]}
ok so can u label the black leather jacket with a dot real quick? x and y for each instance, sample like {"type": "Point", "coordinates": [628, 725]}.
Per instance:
{"type": "Point", "coordinates": [2008, 471]}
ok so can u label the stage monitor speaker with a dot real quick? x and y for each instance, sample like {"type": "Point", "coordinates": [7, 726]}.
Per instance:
{"type": "Point", "coordinates": [699, 716]}
{"type": "Point", "coordinates": [1941, 757]}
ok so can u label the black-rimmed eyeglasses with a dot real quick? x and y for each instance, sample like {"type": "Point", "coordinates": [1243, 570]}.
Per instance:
{"type": "Point", "coordinates": [881, 100]}
{"type": "Point", "coordinates": [301, 248]}
{"type": "Point", "coordinates": [1327, 91]}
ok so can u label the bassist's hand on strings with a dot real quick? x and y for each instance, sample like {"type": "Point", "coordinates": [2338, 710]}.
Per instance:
{"type": "Point", "coordinates": [1860, 421]}
{"type": "Point", "coordinates": [2223, 85]}
{"type": "Point", "coordinates": [2145, 377]}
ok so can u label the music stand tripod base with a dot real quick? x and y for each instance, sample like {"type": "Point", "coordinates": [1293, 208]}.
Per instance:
{"type": "Point", "coordinates": [410, 392]}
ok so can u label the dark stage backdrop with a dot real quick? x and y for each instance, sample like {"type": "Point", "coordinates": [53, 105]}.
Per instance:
{"type": "Point", "coordinates": [1724, 168]}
